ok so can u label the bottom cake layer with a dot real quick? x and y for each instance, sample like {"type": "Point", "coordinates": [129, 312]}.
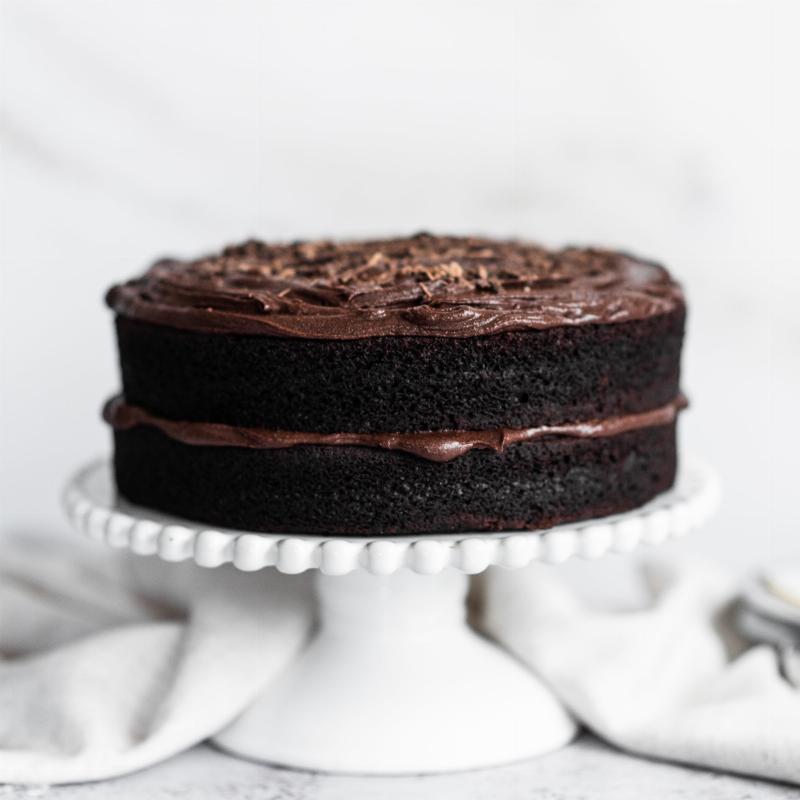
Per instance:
{"type": "Point", "coordinates": [365, 491]}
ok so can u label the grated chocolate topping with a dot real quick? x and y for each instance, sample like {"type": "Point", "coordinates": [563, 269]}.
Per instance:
{"type": "Point", "coordinates": [422, 285]}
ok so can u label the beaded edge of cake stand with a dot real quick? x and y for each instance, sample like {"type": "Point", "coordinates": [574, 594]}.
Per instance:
{"type": "Point", "coordinates": [92, 509]}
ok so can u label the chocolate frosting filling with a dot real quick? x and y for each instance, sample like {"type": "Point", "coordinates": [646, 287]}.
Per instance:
{"type": "Point", "coordinates": [437, 446]}
{"type": "Point", "coordinates": [416, 286]}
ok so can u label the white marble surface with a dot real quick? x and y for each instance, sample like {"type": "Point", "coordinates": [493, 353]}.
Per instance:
{"type": "Point", "coordinates": [588, 769]}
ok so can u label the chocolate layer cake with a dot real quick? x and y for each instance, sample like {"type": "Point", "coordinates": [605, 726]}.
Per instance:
{"type": "Point", "coordinates": [414, 385]}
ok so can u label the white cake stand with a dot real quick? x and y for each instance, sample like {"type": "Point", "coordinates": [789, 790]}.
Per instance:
{"type": "Point", "coordinates": [393, 680]}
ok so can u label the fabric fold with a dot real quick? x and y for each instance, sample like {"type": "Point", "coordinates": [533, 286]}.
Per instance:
{"type": "Point", "coordinates": [660, 682]}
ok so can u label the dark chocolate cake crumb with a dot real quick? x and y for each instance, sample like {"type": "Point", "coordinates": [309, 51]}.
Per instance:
{"type": "Point", "coordinates": [360, 491]}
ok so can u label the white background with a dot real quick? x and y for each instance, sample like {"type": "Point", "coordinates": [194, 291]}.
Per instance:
{"type": "Point", "coordinates": [130, 130]}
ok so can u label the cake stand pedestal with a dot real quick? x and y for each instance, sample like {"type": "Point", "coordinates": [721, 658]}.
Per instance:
{"type": "Point", "coordinates": [393, 680]}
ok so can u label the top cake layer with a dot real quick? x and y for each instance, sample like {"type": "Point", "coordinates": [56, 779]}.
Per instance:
{"type": "Point", "coordinates": [418, 286]}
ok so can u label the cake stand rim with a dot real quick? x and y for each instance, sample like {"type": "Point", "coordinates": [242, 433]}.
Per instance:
{"type": "Point", "coordinates": [91, 504]}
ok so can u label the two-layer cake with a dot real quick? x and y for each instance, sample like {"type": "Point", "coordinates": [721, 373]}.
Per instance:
{"type": "Point", "coordinates": [414, 385]}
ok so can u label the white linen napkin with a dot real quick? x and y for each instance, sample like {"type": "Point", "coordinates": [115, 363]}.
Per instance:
{"type": "Point", "coordinates": [666, 681]}
{"type": "Point", "coordinates": [110, 662]}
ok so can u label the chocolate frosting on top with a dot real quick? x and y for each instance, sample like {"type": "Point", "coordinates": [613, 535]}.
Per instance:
{"type": "Point", "coordinates": [422, 285]}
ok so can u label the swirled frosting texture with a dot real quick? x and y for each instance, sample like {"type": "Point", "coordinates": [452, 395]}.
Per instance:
{"type": "Point", "coordinates": [417, 286]}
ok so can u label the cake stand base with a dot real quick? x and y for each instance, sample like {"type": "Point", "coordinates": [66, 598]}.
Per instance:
{"type": "Point", "coordinates": [394, 681]}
